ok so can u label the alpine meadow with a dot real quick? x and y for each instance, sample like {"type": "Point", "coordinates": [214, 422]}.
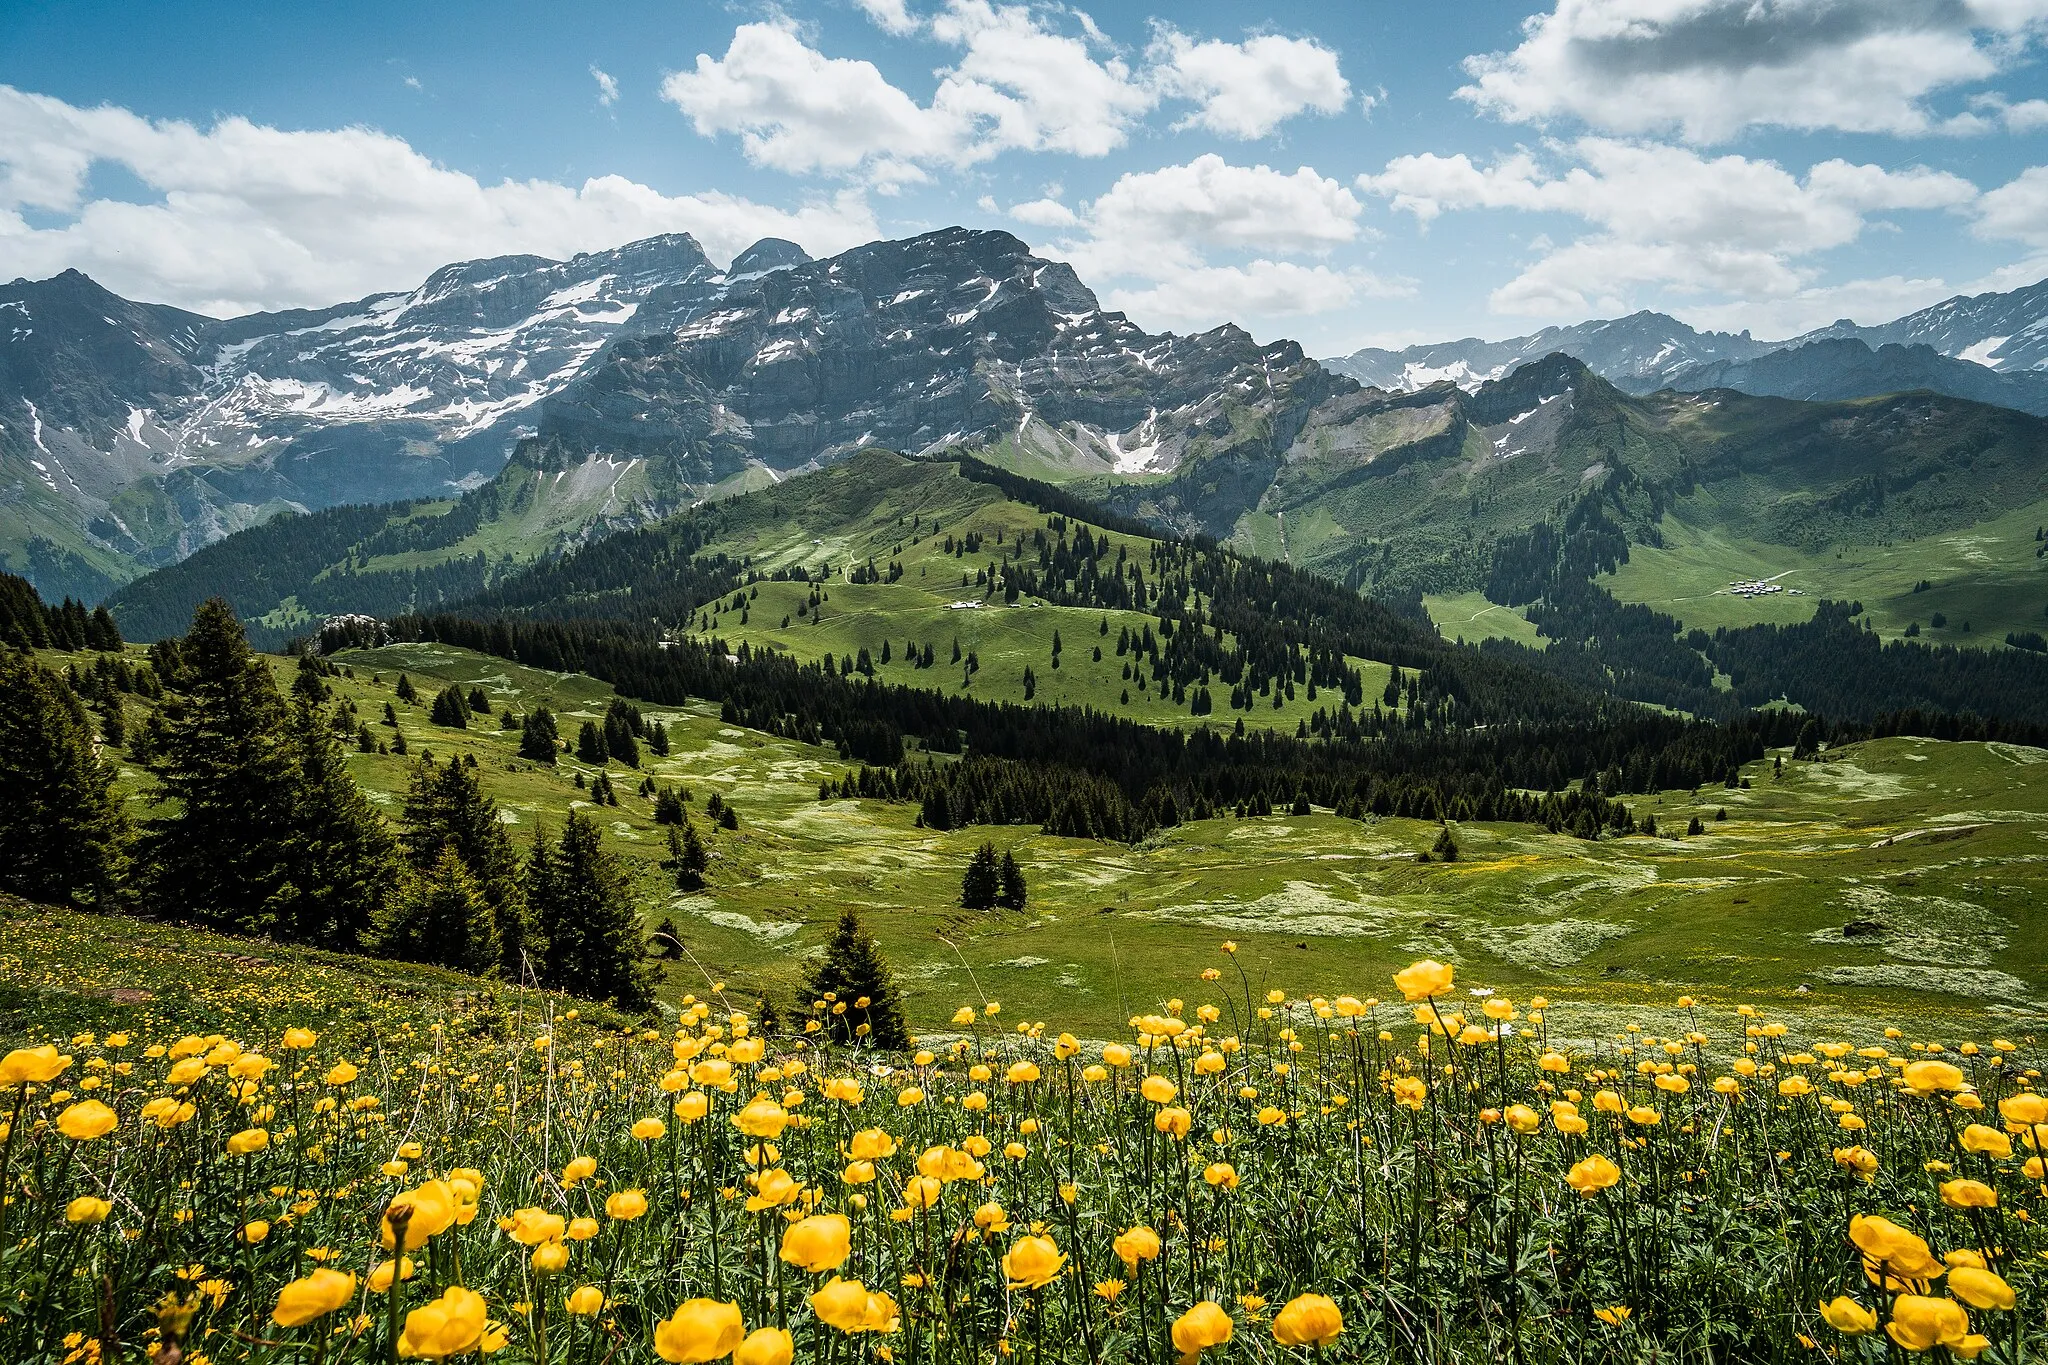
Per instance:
{"type": "Point", "coordinates": [952, 682]}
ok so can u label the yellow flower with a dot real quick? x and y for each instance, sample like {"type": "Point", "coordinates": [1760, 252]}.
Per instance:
{"type": "Point", "coordinates": [32, 1065]}
{"type": "Point", "coordinates": [626, 1205]}
{"type": "Point", "coordinates": [1221, 1174]}
{"type": "Point", "coordinates": [1173, 1120]}
{"type": "Point", "coordinates": [1984, 1139]}
{"type": "Point", "coordinates": [1968, 1194]}
{"type": "Point", "coordinates": [848, 1306]}
{"type": "Point", "coordinates": [87, 1210]}
{"type": "Point", "coordinates": [1159, 1089]}
{"type": "Point", "coordinates": [255, 1231]}
{"type": "Point", "coordinates": [1421, 980]}
{"type": "Point", "coordinates": [341, 1073]}
{"type": "Point", "coordinates": [581, 1229]}
{"type": "Point", "coordinates": [1928, 1076]}
{"type": "Point", "coordinates": [871, 1144]}
{"type": "Point", "coordinates": [819, 1243]}
{"type": "Point", "coordinates": [765, 1346]}
{"type": "Point", "coordinates": [315, 1296]}
{"type": "Point", "coordinates": [1022, 1073]}
{"type": "Point", "coordinates": [1410, 1092]}
{"type": "Point", "coordinates": [429, 1210]}
{"type": "Point", "coordinates": [772, 1189]}
{"type": "Point", "coordinates": [1201, 1327]}
{"type": "Point", "coordinates": [299, 1039]}
{"type": "Point", "coordinates": [1615, 1316]}
{"type": "Point", "coordinates": [1849, 1317]}
{"type": "Point", "coordinates": [1555, 1062]}
{"type": "Point", "coordinates": [86, 1120]}
{"type": "Point", "coordinates": [1918, 1322]}
{"type": "Point", "coordinates": [763, 1118]}
{"type": "Point", "coordinates": [648, 1130]}
{"type": "Point", "coordinates": [585, 1302]}
{"type": "Point", "coordinates": [1592, 1175]}
{"type": "Point", "coordinates": [550, 1258]}
{"type": "Point", "coordinates": [1522, 1119]}
{"type": "Point", "coordinates": [1108, 1290]}
{"type": "Point", "coordinates": [1980, 1288]}
{"type": "Point", "coordinates": [531, 1227]}
{"type": "Point", "coordinates": [577, 1171]}
{"type": "Point", "coordinates": [2024, 1109]}
{"type": "Point", "coordinates": [1032, 1262]}
{"type": "Point", "coordinates": [692, 1106]}
{"type": "Point", "coordinates": [247, 1141]}
{"type": "Point", "coordinates": [448, 1326]}
{"type": "Point", "coordinates": [1308, 1320]}
{"type": "Point", "coordinates": [1137, 1244]}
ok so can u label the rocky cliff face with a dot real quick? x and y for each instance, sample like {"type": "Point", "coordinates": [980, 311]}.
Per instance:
{"type": "Point", "coordinates": [953, 339]}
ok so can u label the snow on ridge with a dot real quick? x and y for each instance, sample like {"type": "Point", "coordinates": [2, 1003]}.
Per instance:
{"type": "Point", "coordinates": [1980, 354]}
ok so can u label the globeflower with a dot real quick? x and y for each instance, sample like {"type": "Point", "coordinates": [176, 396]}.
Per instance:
{"type": "Point", "coordinates": [701, 1330]}
{"type": "Point", "coordinates": [1919, 1322]}
{"type": "Point", "coordinates": [1201, 1327]}
{"type": "Point", "coordinates": [1981, 1288]}
{"type": "Point", "coordinates": [1849, 1317]}
{"type": "Point", "coordinates": [426, 1211]}
{"type": "Point", "coordinates": [86, 1120]}
{"type": "Point", "coordinates": [87, 1210]}
{"type": "Point", "coordinates": [1308, 1320]}
{"type": "Point", "coordinates": [315, 1296]}
{"type": "Point", "coordinates": [1968, 1194]}
{"type": "Point", "coordinates": [1137, 1244]}
{"type": "Point", "coordinates": [32, 1066]}
{"type": "Point", "coordinates": [1592, 1175]}
{"type": "Point", "coordinates": [1928, 1076]}
{"type": "Point", "coordinates": [449, 1326]}
{"type": "Point", "coordinates": [1421, 980]}
{"type": "Point", "coordinates": [625, 1205]}
{"type": "Point", "coordinates": [766, 1346]}
{"type": "Point", "coordinates": [1032, 1262]}
{"type": "Point", "coordinates": [819, 1243]}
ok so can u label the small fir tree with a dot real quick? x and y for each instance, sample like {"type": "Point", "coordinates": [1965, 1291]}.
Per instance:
{"type": "Point", "coordinates": [1012, 893]}
{"type": "Point", "coordinates": [449, 709]}
{"type": "Point", "coordinates": [538, 740]}
{"type": "Point", "coordinates": [590, 745]}
{"type": "Point", "coordinates": [853, 974]}
{"type": "Point", "coordinates": [60, 822]}
{"type": "Point", "coordinates": [442, 916]}
{"type": "Point", "coordinates": [982, 882]}
{"type": "Point", "coordinates": [584, 905]}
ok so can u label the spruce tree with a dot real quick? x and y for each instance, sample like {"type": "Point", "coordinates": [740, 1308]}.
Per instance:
{"type": "Point", "coordinates": [441, 916]}
{"type": "Point", "coordinates": [341, 854]}
{"type": "Point", "coordinates": [657, 739]}
{"type": "Point", "coordinates": [687, 856]}
{"type": "Point", "coordinates": [583, 901]}
{"type": "Point", "coordinates": [449, 709]}
{"type": "Point", "coordinates": [590, 745]}
{"type": "Point", "coordinates": [407, 693]}
{"type": "Point", "coordinates": [538, 740]}
{"type": "Point", "coordinates": [983, 880]}
{"type": "Point", "coordinates": [60, 822]}
{"type": "Point", "coordinates": [854, 974]}
{"type": "Point", "coordinates": [1012, 893]}
{"type": "Point", "coordinates": [220, 854]}
{"type": "Point", "coordinates": [479, 701]}
{"type": "Point", "coordinates": [621, 721]}
{"type": "Point", "coordinates": [668, 807]}
{"type": "Point", "coordinates": [444, 806]}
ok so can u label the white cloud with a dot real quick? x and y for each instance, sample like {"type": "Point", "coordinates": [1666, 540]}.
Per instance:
{"type": "Point", "coordinates": [1156, 236]}
{"type": "Point", "coordinates": [1208, 296]}
{"type": "Point", "coordinates": [891, 16]}
{"type": "Point", "coordinates": [1666, 217]}
{"type": "Point", "coordinates": [1246, 90]}
{"type": "Point", "coordinates": [607, 86]}
{"type": "Point", "coordinates": [256, 217]}
{"type": "Point", "coordinates": [2018, 209]}
{"type": "Point", "coordinates": [1711, 68]}
{"type": "Point", "coordinates": [1017, 82]}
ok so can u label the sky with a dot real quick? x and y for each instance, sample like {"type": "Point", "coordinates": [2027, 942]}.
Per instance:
{"type": "Point", "coordinates": [1349, 174]}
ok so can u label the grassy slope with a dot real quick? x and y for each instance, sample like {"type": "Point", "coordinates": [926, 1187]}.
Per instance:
{"type": "Point", "coordinates": [1940, 843]}
{"type": "Point", "coordinates": [931, 605]}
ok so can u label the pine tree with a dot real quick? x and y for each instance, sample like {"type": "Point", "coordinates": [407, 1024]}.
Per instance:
{"type": "Point", "coordinates": [220, 854]}
{"type": "Point", "coordinates": [657, 739]}
{"type": "Point", "coordinates": [60, 822]}
{"type": "Point", "coordinates": [449, 709]}
{"type": "Point", "coordinates": [1012, 893]}
{"type": "Point", "coordinates": [668, 940]}
{"type": "Point", "coordinates": [853, 974]}
{"type": "Point", "coordinates": [590, 745]}
{"type": "Point", "coordinates": [341, 855]}
{"type": "Point", "coordinates": [445, 807]}
{"type": "Point", "coordinates": [479, 701]}
{"type": "Point", "coordinates": [668, 807]}
{"type": "Point", "coordinates": [538, 740]}
{"type": "Point", "coordinates": [440, 915]}
{"type": "Point", "coordinates": [584, 904]}
{"type": "Point", "coordinates": [982, 882]}
{"type": "Point", "coordinates": [688, 858]}
{"type": "Point", "coordinates": [407, 693]}
{"type": "Point", "coordinates": [621, 720]}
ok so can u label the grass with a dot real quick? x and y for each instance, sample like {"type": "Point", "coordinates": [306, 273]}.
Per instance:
{"type": "Point", "coordinates": [1940, 846]}
{"type": "Point", "coordinates": [1986, 575]}
{"type": "Point", "coordinates": [937, 603]}
{"type": "Point", "coordinates": [1470, 617]}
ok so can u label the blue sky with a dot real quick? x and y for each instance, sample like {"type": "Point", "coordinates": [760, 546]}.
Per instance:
{"type": "Point", "coordinates": [1343, 174]}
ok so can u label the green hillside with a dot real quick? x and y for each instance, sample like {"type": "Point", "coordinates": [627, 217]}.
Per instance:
{"type": "Point", "coordinates": [1925, 853]}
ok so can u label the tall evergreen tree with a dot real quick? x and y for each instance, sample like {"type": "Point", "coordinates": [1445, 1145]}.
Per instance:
{"type": "Point", "coordinates": [1012, 892]}
{"type": "Point", "coordinates": [449, 709]}
{"type": "Point", "coordinates": [621, 722]}
{"type": "Point", "coordinates": [440, 915]}
{"type": "Point", "coordinates": [687, 857]}
{"type": "Point", "coordinates": [220, 854]}
{"type": "Point", "coordinates": [445, 806]}
{"type": "Point", "coordinates": [982, 882]}
{"type": "Point", "coordinates": [341, 853]}
{"type": "Point", "coordinates": [583, 900]}
{"type": "Point", "coordinates": [590, 744]}
{"type": "Point", "coordinates": [60, 822]}
{"type": "Point", "coordinates": [854, 974]}
{"type": "Point", "coordinates": [538, 739]}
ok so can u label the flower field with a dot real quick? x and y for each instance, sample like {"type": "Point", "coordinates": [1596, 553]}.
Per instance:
{"type": "Point", "coordinates": [1241, 1176]}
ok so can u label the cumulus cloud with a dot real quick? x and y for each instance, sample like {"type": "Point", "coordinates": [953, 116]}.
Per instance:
{"type": "Point", "coordinates": [2017, 210]}
{"type": "Point", "coordinates": [1666, 217]}
{"type": "Point", "coordinates": [1017, 82]}
{"type": "Point", "coordinates": [254, 217]}
{"type": "Point", "coordinates": [1246, 90]}
{"type": "Point", "coordinates": [1205, 242]}
{"type": "Point", "coordinates": [607, 86]}
{"type": "Point", "coordinates": [1710, 68]}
